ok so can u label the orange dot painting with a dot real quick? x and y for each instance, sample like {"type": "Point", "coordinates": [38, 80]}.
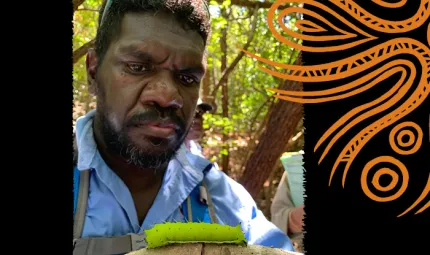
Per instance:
{"type": "Point", "coordinates": [404, 179]}
{"type": "Point", "coordinates": [398, 145]}
{"type": "Point", "coordinates": [385, 171]}
{"type": "Point", "coordinates": [408, 134]}
{"type": "Point", "coordinates": [411, 89]}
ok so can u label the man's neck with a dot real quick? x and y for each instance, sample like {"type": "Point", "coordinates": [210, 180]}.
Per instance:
{"type": "Point", "coordinates": [137, 179]}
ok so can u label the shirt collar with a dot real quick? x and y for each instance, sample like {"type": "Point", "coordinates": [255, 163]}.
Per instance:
{"type": "Point", "coordinates": [182, 175]}
{"type": "Point", "coordinates": [86, 144]}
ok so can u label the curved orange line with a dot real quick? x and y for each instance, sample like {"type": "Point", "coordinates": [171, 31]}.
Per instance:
{"type": "Point", "coordinates": [270, 17]}
{"type": "Point", "coordinates": [393, 100]}
{"type": "Point", "coordinates": [363, 116]}
{"type": "Point", "coordinates": [390, 45]}
{"type": "Point", "coordinates": [336, 90]}
{"type": "Point", "coordinates": [420, 198]}
{"type": "Point", "coordinates": [390, 5]}
{"type": "Point", "coordinates": [423, 208]}
{"type": "Point", "coordinates": [345, 95]}
{"type": "Point", "coordinates": [428, 34]}
{"type": "Point", "coordinates": [419, 95]}
{"type": "Point", "coordinates": [299, 36]}
{"type": "Point", "coordinates": [368, 19]}
{"type": "Point", "coordinates": [308, 26]}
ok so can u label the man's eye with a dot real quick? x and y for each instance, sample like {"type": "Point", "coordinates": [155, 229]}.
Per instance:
{"type": "Point", "coordinates": [187, 79]}
{"type": "Point", "coordinates": [138, 67]}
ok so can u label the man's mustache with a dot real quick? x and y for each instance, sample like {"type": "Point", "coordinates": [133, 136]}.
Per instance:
{"type": "Point", "coordinates": [157, 115]}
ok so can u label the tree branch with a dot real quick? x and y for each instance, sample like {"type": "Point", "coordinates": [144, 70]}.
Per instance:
{"type": "Point", "coordinates": [77, 3]}
{"type": "Point", "coordinates": [259, 91]}
{"type": "Point", "coordinates": [79, 53]}
{"type": "Point", "coordinates": [239, 56]}
{"type": "Point", "coordinates": [86, 9]}
{"type": "Point", "coordinates": [254, 119]}
{"type": "Point", "coordinates": [248, 3]}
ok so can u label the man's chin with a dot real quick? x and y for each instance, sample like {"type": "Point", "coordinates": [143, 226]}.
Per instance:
{"type": "Point", "coordinates": [154, 146]}
{"type": "Point", "coordinates": [148, 155]}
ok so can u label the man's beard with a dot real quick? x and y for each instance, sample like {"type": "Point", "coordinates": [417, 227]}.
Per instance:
{"type": "Point", "coordinates": [120, 143]}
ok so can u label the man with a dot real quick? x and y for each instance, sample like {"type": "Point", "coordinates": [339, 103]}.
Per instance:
{"type": "Point", "coordinates": [146, 72]}
{"type": "Point", "coordinates": [196, 131]}
{"type": "Point", "coordinates": [287, 213]}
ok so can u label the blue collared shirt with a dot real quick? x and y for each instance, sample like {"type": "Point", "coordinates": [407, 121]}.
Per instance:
{"type": "Point", "coordinates": [111, 210]}
{"type": "Point", "coordinates": [196, 149]}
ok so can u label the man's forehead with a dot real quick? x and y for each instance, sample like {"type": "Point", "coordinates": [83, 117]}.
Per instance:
{"type": "Point", "coordinates": [162, 27]}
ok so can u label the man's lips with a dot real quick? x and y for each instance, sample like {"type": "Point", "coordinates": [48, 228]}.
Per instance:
{"type": "Point", "coordinates": [161, 129]}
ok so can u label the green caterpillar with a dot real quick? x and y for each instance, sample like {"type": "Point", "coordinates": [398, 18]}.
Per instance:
{"type": "Point", "coordinates": [193, 232]}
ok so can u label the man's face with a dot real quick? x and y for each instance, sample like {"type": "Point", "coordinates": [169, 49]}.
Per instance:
{"type": "Point", "coordinates": [147, 87]}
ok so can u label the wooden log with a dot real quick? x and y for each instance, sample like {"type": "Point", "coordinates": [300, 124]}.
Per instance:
{"type": "Point", "coordinates": [212, 249]}
{"type": "Point", "coordinates": [174, 249]}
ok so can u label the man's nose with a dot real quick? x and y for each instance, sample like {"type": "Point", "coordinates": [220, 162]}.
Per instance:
{"type": "Point", "coordinates": [162, 91]}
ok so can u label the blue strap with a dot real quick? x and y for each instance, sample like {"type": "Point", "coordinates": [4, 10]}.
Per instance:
{"type": "Point", "coordinates": [200, 211]}
{"type": "Point", "coordinates": [76, 173]}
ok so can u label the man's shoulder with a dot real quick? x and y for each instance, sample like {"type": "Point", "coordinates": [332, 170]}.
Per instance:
{"type": "Point", "coordinates": [196, 161]}
{"type": "Point", "coordinates": [219, 184]}
{"type": "Point", "coordinates": [227, 190]}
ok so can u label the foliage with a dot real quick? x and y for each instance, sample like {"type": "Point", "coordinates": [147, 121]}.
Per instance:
{"type": "Point", "coordinates": [85, 27]}
{"type": "Point", "coordinates": [247, 84]}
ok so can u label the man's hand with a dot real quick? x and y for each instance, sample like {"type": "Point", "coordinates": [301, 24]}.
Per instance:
{"type": "Point", "coordinates": [295, 219]}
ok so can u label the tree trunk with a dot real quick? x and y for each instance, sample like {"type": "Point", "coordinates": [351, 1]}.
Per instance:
{"type": "Point", "coordinates": [224, 92]}
{"type": "Point", "coordinates": [282, 121]}
{"type": "Point", "coordinates": [255, 135]}
{"type": "Point", "coordinates": [268, 192]}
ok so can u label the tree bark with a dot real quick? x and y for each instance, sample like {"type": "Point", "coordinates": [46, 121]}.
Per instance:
{"type": "Point", "coordinates": [282, 121]}
{"type": "Point", "coordinates": [224, 92]}
{"type": "Point", "coordinates": [252, 142]}
{"type": "Point", "coordinates": [261, 128]}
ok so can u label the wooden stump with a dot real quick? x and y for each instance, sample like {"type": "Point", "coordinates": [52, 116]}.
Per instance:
{"type": "Point", "coordinates": [212, 249]}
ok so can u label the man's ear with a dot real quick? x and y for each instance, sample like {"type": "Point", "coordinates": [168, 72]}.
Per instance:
{"type": "Point", "coordinates": [91, 63]}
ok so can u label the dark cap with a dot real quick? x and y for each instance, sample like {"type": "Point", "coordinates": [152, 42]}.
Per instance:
{"type": "Point", "coordinates": [204, 106]}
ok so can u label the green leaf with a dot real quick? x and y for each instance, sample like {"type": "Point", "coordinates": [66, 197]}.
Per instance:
{"type": "Point", "coordinates": [224, 152]}
{"type": "Point", "coordinates": [226, 4]}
